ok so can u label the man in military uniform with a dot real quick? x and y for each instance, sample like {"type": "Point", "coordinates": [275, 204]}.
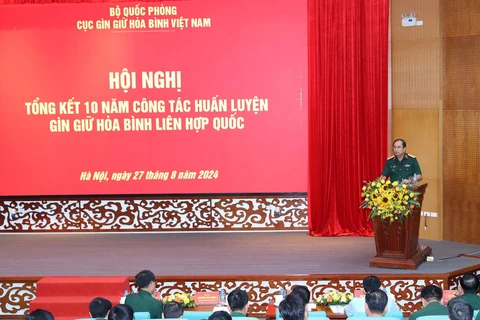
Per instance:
{"type": "Point", "coordinates": [401, 166]}
{"type": "Point", "coordinates": [143, 301]}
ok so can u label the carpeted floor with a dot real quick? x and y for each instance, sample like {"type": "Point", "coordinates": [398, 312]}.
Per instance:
{"type": "Point", "coordinates": [207, 254]}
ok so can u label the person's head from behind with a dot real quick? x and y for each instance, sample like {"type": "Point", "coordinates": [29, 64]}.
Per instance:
{"type": "Point", "coordinates": [238, 301]}
{"type": "Point", "coordinates": [39, 314]}
{"type": "Point", "coordinates": [145, 280]}
{"type": "Point", "coordinates": [371, 283]}
{"type": "Point", "coordinates": [302, 292]}
{"type": "Point", "coordinates": [431, 294]}
{"type": "Point", "coordinates": [220, 315]}
{"type": "Point", "coordinates": [293, 308]}
{"type": "Point", "coordinates": [469, 283]}
{"type": "Point", "coordinates": [99, 307]}
{"type": "Point", "coordinates": [172, 310]}
{"type": "Point", "coordinates": [376, 303]}
{"type": "Point", "coordinates": [458, 309]}
{"type": "Point", "coordinates": [121, 312]}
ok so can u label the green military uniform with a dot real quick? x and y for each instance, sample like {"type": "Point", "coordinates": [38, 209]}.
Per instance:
{"type": "Point", "coordinates": [432, 309]}
{"type": "Point", "coordinates": [399, 170]}
{"type": "Point", "coordinates": [238, 314]}
{"type": "Point", "coordinates": [144, 302]}
{"type": "Point", "coordinates": [470, 298]}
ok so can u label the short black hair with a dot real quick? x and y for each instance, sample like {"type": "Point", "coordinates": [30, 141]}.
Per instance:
{"type": "Point", "coordinates": [172, 310]}
{"type": "Point", "coordinates": [220, 315]}
{"type": "Point", "coordinates": [121, 312]}
{"type": "Point", "coordinates": [458, 309]}
{"type": "Point", "coordinates": [302, 292]}
{"type": "Point", "coordinates": [432, 293]}
{"type": "Point", "coordinates": [99, 307]}
{"type": "Point", "coordinates": [39, 314]}
{"type": "Point", "coordinates": [404, 144]}
{"type": "Point", "coordinates": [377, 301]}
{"type": "Point", "coordinates": [143, 278]}
{"type": "Point", "coordinates": [469, 283]}
{"type": "Point", "coordinates": [371, 283]}
{"type": "Point", "coordinates": [292, 308]}
{"type": "Point", "coordinates": [237, 299]}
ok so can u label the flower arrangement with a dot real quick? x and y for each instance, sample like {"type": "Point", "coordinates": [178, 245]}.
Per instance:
{"type": "Point", "coordinates": [185, 299]}
{"type": "Point", "coordinates": [334, 297]}
{"type": "Point", "coordinates": [389, 200]}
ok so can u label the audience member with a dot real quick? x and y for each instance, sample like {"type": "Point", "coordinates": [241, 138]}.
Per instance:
{"type": "Point", "coordinates": [220, 315]}
{"type": "Point", "coordinates": [39, 314]}
{"type": "Point", "coordinates": [431, 303]}
{"type": "Point", "coordinates": [302, 292]}
{"type": "Point", "coordinates": [357, 305]}
{"type": "Point", "coordinates": [238, 303]}
{"type": "Point", "coordinates": [459, 309]}
{"type": "Point", "coordinates": [99, 308]}
{"type": "Point", "coordinates": [172, 310]}
{"type": "Point", "coordinates": [143, 301]}
{"type": "Point", "coordinates": [293, 308]}
{"type": "Point", "coordinates": [121, 312]}
{"type": "Point", "coordinates": [468, 290]}
{"type": "Point", "coordinates": [376, 303]}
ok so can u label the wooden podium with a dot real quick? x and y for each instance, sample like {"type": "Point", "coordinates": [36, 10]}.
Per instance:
{"type": "Point", "coordinates": [397, 244]}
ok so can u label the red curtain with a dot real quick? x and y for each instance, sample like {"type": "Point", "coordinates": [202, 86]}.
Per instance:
{"type": "Point", "coordinates": [348, 110]}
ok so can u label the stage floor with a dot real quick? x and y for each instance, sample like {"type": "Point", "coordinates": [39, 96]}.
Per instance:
{"type": "Point", "coordinates": [206, 253]}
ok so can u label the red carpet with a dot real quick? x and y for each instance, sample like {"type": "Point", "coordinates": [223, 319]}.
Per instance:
{"type": "Point", "coordinates": [68, 297]}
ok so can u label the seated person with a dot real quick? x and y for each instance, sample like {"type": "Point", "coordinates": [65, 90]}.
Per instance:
{"type": "Point", "coordinates": [99, 308]}
{"type": "Point", "coordinates": [220, 315]}
{"type": "Point", "coordinates": [370, 284]}
{"type": "Point", "coordinates": [39, 314]}
{"type": "Point", "coordinates": [172, 310]}
{"type": "Point", "coordinates": [302, 292]}
{"type": "Point", "coordinates": [293, 308]}
{"type": "Point", "coordinates": [459, 309]}
{"type": "Point", "coordinates": [468, 290]}
{"type": "Point", "coordinates": [431, 303]}
{"type": "Point", "coordinates": [376, 303]}
{"type": "Point", "coordinates": [121, 312]}
{"type": "Point", "coordinates": [238, 303]}
{"type": "Point", "coordinates": [143, 301]}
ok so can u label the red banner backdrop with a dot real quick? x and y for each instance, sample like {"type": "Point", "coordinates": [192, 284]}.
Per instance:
{"type": "Point", "coordinates": [170, 97]}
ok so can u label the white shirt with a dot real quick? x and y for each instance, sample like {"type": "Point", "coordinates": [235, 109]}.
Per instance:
{"type": "Point", "coordinates": [358, 305]}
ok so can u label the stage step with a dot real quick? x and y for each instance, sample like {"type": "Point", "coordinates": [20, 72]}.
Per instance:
{"type": "Point", "coordinates": [68, 297]}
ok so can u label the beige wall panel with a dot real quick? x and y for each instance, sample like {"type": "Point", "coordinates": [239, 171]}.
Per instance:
{"type": "Point", "coordinates": [461, 172]}
{"type": "Point", "coordinates": [461, 17]}
{"type": "Point", "coordinates": [430, 204]}
{"type": "Point", "coordinates": [427, 11]}
{"type": "Point", "coordinates": [416, 73]}
{"type": "Point", "coordinates": [420, 129]}
{"type": "Point", "coordinates": [462, 73]}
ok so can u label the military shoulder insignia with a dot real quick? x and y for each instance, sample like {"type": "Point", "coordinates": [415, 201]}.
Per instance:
{"type": "Point", "coordinates": [411, 155]}
{"type": "Point", "coordinates": [390, 157]}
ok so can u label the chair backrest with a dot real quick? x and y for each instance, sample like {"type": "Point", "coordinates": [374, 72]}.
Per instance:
{"type": "Point", "coordinates": [197, 315]}
{"type": "Point", "coordinates": [437, 317]}
{"type": "Point", "coordinates": [317, 314]}
{"type": "Point", "coordinates": [370, 318]}
{"type": "Point", "coordinates": [389, 314]}
{"type": "Point", "coordinates": [141, 315]}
